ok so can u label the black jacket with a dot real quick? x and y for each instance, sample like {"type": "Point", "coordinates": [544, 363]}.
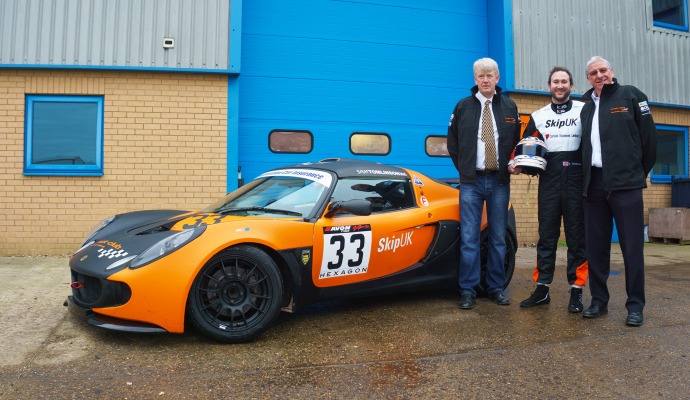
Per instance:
{"type": "Point", "coordinates": [463, 128]}
{"type": "Point", "coordinates": [628, 137]}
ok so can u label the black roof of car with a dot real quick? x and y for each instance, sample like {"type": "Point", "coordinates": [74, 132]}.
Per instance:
{"type": "Point", "coordinates": [345, 168]}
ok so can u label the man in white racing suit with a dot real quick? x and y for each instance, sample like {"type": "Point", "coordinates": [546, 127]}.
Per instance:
{"type": "Point", "coordinates": [560, 191]}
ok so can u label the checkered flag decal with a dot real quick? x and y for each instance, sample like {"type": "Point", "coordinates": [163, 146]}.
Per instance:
{"type": "Point", "coordinates": [111, 253]}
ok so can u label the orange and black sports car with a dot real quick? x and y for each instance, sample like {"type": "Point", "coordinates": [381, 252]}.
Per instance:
{"type": "Point", "coordinates": [294, 236]}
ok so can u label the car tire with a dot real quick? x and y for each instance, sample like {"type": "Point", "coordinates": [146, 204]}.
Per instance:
{"type": "Point", "coordinates": [236, 296]}
{"type": "Point", "coordinates": [508, 264]}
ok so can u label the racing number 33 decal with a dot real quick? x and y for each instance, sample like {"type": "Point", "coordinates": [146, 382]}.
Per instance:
{"type": "Point", "coordinates": [346, 250]}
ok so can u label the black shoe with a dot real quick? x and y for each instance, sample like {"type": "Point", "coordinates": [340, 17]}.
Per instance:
{"type": "Point", "coordinates": [595, 312]}
{"type": "Point", "coordinates": [634, 318]}
{"type": "Point", "coordinates": [575, 305]}
{"type": "Point", "coordinates": [499, 298]}
{"type": "Point", "coordinates": [467, 301]}
{"type": "Point", "coordinates": [539, 297]}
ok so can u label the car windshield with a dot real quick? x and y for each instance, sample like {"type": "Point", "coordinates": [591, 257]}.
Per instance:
{"type": "Point", "coordinates": [275, 193]}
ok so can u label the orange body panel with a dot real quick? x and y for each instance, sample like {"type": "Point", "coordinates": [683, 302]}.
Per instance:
{"type": "Point", "coordinates": [350, 249]}
{"type": "Point", "coordinates": [346, 249]}
{"type": "Point", "coordinates": [160, 289]}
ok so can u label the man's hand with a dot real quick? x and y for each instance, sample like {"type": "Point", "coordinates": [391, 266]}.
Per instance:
{"type": "Point", "coordinates": [514, 170]}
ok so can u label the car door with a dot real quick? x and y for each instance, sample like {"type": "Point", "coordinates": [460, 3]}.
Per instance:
{"type": "Point", "coordinates": [350, 248]}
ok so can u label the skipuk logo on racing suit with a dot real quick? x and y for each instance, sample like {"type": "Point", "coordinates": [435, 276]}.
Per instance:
{"type": "Point", "coordinates": [393, 243]}
{"type": "Point", "coordinates": [560, 123]}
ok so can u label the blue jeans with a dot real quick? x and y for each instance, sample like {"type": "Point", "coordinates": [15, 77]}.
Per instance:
{"type": "Point", "coordinates": [472, 198]}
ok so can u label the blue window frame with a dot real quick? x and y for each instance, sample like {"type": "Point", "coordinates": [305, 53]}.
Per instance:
{"type": "Point", "coordinates": [63, 135]}
{"type": "Point", "coordinates": [671, 154]}
{"type": "Point", "coordinates": [671, 14]}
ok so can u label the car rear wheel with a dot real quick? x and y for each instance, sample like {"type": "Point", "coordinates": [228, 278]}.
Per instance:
{"type": "Point", "coordinates": [508, 264]}
{"type": "Point", "coordinates": [236, 295]}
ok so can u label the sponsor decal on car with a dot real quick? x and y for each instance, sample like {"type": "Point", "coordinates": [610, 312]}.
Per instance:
{"type": "Point", "coordinates": [346, 250]}
{"type": "Point", "coordinates": [379, 172]}
{"type": "Point", "coordinates": [417, 181]}
{"type": "Point", "coordinates": [202, 220]}
{"type": "Point", "coordinates": [111, 253]}
{"type": "Point", "coordinates": [311, 174]}
{"type": "Point", "coordinates": [106, 243]}
{"type": "Point", "coordinates": [306, 255]}
{"type": "Point", "coordinates": [424, 201]}
{"type": "Point", "coordinates": [108, 249]}
{"type": "Point", "coordinates": [393, 243]}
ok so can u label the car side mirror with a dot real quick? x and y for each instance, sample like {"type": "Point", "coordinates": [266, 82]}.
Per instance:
{"type": "Point", "coordinates": [356, 207]}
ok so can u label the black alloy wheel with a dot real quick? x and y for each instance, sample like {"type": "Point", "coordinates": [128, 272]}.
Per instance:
{"type": "Point", "coordinates": [508, 263]}
{"type": "Point", "coordinates": [236, 295]}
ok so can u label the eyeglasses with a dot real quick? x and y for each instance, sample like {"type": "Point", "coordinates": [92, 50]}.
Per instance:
{"type": "Point", "coordinates": [594, 73]}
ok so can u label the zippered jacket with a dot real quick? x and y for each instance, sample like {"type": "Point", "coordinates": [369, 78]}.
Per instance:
{"type": "Point", "coordinates": [463, 128]}
{"type": "Point", "coordinates": [628, 137]}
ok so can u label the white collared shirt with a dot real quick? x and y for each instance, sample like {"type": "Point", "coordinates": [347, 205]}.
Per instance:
{"type": "Point", "coordinates": [596, 138]}
{"type": "Point", "coordinates": [480, 143]}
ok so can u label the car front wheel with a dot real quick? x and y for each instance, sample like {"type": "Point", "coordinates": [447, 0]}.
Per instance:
{"type": "Point", "coordinates": [236, 295]}
{"type": "Point", "coordinates": [508, 263]}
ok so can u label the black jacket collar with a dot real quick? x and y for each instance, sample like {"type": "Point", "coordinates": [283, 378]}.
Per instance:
{"type": "Point", "coordinates": [475, 90]}
{"type": "Point", "coordinates": [562, 108]}
{"type": "Point", "coordinates": [607, 89]}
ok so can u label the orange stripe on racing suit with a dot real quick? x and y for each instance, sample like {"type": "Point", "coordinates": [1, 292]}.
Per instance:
{"type": "Point", "coordinates": [581, 273]}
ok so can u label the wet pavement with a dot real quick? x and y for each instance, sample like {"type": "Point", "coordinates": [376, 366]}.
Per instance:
{"type": "Point", "coordinates": [418, 346]}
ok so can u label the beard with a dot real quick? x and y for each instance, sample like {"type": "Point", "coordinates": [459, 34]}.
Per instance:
{"type": "Point", "coordinates": [560, 97]}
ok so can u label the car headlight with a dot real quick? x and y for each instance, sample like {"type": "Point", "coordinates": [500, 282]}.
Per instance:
{"type": "Point", "coordinates": [98, 227]}
{"type": "Point", "coordinates": [166, 246]}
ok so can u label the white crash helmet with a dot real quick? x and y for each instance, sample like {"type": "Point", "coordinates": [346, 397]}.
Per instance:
{"type": "Point", "coordinates": [530, 155]}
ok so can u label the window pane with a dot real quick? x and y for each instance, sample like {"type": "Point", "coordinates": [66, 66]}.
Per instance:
{"type": "Point", "coordinates": [370, 143]}
{"type": "Point", "coordinates": [384, 194]}
{"type": "Point", "coordinates": [437, 146]}
{"type": "Point", "coordinates": [290, 141]}
{"type": "Point", "coordinates": [64, 133]}
{"type": "Point", "coordinates": [669, 153]}
{"type": "Point", "coordinates": [670, 12]}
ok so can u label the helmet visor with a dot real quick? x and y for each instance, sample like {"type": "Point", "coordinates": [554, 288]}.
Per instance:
{"type": "Point", "coordinates": [530, 149]}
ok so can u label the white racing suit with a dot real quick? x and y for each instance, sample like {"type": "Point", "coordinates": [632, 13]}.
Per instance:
{"type": "Point", "coordinates": [560, 190]}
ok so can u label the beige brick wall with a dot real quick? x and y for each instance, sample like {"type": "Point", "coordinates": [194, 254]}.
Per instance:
{"type": "Point", "coordinates": [524, 193]}
{"type": "Point", "coordinates": [165, 146]}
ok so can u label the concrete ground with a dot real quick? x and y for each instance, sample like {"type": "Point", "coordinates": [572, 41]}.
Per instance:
{"type": "Point", "coordinates": [417, 346]}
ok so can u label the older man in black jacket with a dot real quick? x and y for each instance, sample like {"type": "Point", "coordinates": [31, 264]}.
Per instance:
{"type": "Point", "coordinates": [483, 131]}
{"type": "Point", "coordinates": [618, 152]}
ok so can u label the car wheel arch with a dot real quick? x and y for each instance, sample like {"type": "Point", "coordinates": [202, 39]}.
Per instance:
{"type": "Point", "coordinates": [233, 304]}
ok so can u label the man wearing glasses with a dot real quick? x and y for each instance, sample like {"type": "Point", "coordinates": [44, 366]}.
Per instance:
{"type": "Point", "coordinates": [618, 152]}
